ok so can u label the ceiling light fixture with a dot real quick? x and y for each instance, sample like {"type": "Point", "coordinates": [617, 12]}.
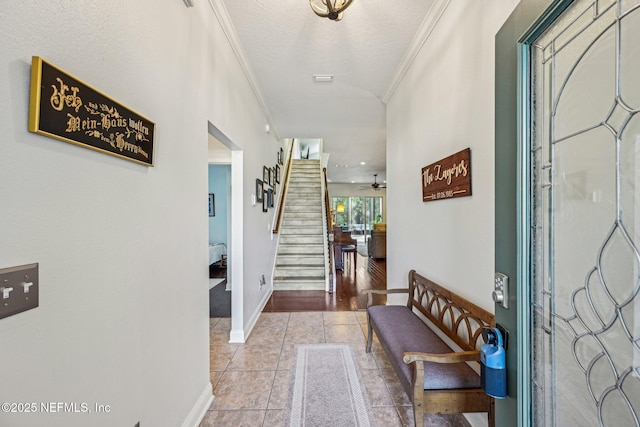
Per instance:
{"type": "Point", "coordinates": [332, 9]}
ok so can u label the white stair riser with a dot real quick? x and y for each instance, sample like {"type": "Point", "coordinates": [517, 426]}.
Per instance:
{"type": "Point", "coordinates": [300, 249]}
{"type": "Point", "coordinates": [299, 231]}
{"type": "Point", "coordinates": [299, 286]}
{"type": "Point", "coordinates": [300, 260]}
{"type": "Point", "coordinates": [304, 239]}
{"type": "Point", "coordinates": [316, 272]}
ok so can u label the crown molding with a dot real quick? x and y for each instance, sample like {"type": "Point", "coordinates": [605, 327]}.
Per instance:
{"type": "Point", "coordinates": [422, 35]}
{"type": "Point", "coordinates": [221, 13]}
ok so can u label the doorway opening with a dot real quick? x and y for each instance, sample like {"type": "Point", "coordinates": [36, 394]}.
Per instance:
{"type": "Point", "coordinates": [222, 151]}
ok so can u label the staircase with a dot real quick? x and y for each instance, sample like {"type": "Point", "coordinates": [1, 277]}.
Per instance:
{"type": "Point", "coordinates": [300, 262]}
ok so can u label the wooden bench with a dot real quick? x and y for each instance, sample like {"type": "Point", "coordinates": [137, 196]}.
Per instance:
{"type": "Point", "coordinates": [435, 377]}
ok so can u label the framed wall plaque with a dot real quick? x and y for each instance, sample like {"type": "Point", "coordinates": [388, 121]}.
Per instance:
{"type": "Point", "coordinates": [447, 178]}
{"type": "Point", "coordinates": [65, 108]}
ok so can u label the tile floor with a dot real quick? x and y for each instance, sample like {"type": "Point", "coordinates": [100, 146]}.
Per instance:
{"type": "Point", "coordinates": [250, 381]}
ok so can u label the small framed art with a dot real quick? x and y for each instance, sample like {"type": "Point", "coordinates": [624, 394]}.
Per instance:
{"type": "Point", "coordinates": [265, 174]}
{"type": "Point", "coordinates": [270, 194]}
{"type": "Point", "coordinates": [212, 204]}
{"type": "Point", "coordinates": [259, 189]}
{"type": "Point", "coordinates": [265, 201]}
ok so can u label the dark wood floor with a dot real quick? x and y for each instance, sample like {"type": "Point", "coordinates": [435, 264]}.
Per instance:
{"type": "Point", "coordinates": [370, 274]}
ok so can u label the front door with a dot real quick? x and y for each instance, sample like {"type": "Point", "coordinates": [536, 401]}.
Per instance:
{"type": "Point", "coordinates": [583, 215]}
{"type": "Point", "coordinates": [568, 206]}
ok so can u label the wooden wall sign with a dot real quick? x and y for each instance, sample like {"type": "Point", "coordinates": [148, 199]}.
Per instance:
{"type": "Point", "coordinates": [67, 109]}
{"type": "Point", "coordinates": [447, 178]}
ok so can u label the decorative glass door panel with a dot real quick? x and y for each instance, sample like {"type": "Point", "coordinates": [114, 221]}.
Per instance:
{"type": "Point", "coordinates": [585, 216]}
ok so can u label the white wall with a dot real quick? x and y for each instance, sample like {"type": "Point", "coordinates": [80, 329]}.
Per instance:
{"type": "Point", "coordinates": [445, 103]}
{"type": "Point", "coordinates": [123, 316]}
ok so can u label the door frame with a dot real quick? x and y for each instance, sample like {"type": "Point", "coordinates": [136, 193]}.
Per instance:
{"type": "Point", "coordinates": [511, 195]}
{"type": "Point", "coordinates": [236, 237]}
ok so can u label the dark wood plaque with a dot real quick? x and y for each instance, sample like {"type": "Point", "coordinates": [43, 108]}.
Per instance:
{"type": "Point", "coordinates": [67, 109]}
{"type": "Point", "coordinates": [447, 178]}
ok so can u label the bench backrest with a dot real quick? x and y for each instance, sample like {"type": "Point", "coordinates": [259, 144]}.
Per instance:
{"type": "Point", "coordinates": [460, 319]}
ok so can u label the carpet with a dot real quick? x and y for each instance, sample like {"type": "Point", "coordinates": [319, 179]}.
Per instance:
{"type": "Point", "coordinates": [326, 388]}
{"type": "Point", "coordinates": [219, 300]}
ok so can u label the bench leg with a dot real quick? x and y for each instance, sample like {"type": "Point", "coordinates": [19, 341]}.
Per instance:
{"type": "Point", "coordinates": [418, 394]}
{"type": "Point", "coordinates": [418, 415]}
{"type": "Point", "coordinates": [370, 335]}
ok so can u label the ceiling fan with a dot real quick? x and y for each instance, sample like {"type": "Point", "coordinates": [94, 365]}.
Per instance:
{"type": "Point", "coordinates": [376, 185]}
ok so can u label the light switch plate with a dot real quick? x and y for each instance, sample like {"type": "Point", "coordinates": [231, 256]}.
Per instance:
{"type": "Point", "coordinates": [19, 289]}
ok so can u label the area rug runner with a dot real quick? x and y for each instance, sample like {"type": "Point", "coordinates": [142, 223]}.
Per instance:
{"type": "Point", "coordinates": [326, 388]}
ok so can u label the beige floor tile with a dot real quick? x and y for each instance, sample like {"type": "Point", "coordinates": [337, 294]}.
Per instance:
{"type": "Point", "coordinates": [273, 320]}
{"type": "Point", "coordinates": [304, 336]}
{"type": "Point", "coordinates": [381, 359]}
{"type": "Point", "coordinates": [286, 357]}
{"type": "Point", "coordinates": [361, 315]}
{"type": "Point", "coordinates": [256, 358]}
{"type": "Point", "coordinates": [376, 388]}
{"type": "Point", "coordinates": [223, 323]}
{"type": "Point", "coordinates": [305, 318]}
{"type": "Point", "coordinates": [386, 416]}
{"type": "Point", "coordinates": [233, 418]}
{"type": "Point", "coordinates": [215, 377]}
{"type": "Point", "coordinates": [243, 390]}
{"type": "Point", "coordinates": [365, 360]}
{"type": "Point", "coordinates": [221, 355]}
{"type": "Point", "coordinates": [274, 418]}
{"type": "Point", "coordinates": [344, 334]}
{"type": "Point", "coordinates": [266, 336]}
{"type": "Point", "coordinates": [219, 336]}
{"type": "Point", "coordinates": [398, 395]}
{"type": "Point", "coordinates": [280, 390]}
{"type": "Point", "coordinates": [340, 318]}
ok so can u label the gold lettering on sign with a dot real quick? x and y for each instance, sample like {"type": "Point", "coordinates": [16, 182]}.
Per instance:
{"type": "Point", "coordinates": [447, 178]}
{"type": "Point", "coordinates": [60, 98]}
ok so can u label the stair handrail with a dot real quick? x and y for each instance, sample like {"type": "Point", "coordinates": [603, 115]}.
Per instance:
{"type": "Point", "coordinates": [328, 216]}
{"type": "Point", "coordinates": [284, 190]}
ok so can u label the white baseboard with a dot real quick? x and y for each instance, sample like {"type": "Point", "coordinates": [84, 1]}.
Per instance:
{"type": "Point", "coordinates": [199, 408]}
{"type": "Point", "coordinates": [241, 336]}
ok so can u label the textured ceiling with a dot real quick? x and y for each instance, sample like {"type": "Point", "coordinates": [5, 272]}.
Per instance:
{"type": "Point", "coordinates": [286, 44]}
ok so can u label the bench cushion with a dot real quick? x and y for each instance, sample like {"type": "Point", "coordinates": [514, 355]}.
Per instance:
{"type": "Point", "coordinates": [400, 330]}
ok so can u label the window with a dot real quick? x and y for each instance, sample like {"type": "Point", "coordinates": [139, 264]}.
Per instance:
{"type": "Point", "coordinates": [357, 214]}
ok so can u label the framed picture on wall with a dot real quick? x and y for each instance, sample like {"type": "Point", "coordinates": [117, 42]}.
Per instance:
{"type": "Point", "coordinates": [265, 174]}
{"type": "Point", "coordinates": [270, 193]}
{"type": "Point", "coordinates": [212, 204]}
{"type": "Point", "coordinates": [273, 175]}
{"type": "Point", "coordinates": [278, 174]}
{"type": "Point", "coordinates": [259, 189]}
{"type": "Point", "coordinates": [281, 157]}
{"type": "Point", "coordinates": [265, 201]}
